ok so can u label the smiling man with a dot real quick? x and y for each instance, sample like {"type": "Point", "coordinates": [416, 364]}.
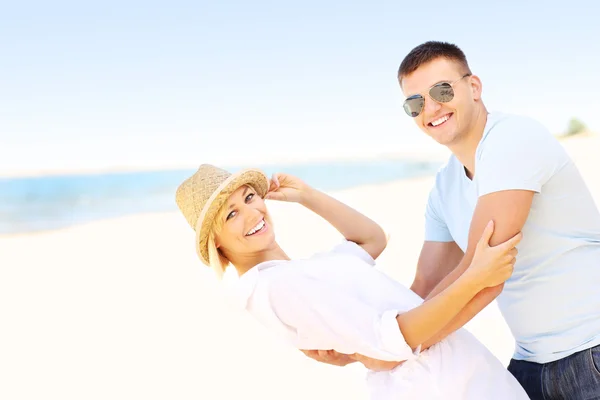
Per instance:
{"type": "Point", "coordinates": [509, 169]}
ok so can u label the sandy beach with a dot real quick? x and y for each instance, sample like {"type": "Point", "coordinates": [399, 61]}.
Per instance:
{"type": "Point", "coordinates": [123, 309]}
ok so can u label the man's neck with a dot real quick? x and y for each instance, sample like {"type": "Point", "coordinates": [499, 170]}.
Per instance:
{"type": "Point", "coordinates": [465, 150]}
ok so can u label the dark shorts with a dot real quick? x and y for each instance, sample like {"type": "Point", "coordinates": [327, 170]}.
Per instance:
{"type": "Point", "coordinates": [576, 377]}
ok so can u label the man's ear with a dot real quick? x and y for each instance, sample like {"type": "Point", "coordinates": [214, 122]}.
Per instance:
{"type": "Point", "coordinates": [476, 87]}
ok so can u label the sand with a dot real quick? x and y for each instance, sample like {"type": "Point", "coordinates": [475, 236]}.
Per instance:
{"type": "Point", "coordinates": [122, 309]}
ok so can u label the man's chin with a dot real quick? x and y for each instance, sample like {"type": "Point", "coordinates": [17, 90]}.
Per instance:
{"type": "Point", "coordinates": [444, 139]}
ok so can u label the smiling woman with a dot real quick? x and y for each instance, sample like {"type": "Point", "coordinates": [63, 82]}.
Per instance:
{"type": "Point", "coordinates": [242, 228]}
{"type": "Point", "coordinates": [334, 306]}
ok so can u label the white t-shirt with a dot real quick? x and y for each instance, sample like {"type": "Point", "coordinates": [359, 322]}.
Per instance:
{"type": "Point", "coordinates": [337, 300]}
{"type": "Point", "coordinates": [552, 301]}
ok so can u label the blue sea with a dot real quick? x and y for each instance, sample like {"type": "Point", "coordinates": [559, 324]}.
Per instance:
{"type": "Point", "coordinates": [36, 204]}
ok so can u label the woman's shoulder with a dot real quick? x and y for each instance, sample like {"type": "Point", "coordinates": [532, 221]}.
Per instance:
{"type": "Point", "coordinates": [349, 248]}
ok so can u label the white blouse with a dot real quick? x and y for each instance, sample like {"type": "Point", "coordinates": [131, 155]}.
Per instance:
{"type": "Point", "coordinates": [337, 300]}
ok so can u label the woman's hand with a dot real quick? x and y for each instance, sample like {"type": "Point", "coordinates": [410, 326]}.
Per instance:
{"type": "Point", "coordinates": [492, 266]}
{"type": "Point", "coordinates": [286, 187]}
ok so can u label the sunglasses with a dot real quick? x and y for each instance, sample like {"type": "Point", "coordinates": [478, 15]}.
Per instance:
{"type": "Point", "coordinates": [442, 92]}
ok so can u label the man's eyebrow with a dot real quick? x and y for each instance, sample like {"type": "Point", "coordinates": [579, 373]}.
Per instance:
{"type": "Point", "coordinates": [442, 81]}
{"type": "Point", "coordinates": [429, 87]}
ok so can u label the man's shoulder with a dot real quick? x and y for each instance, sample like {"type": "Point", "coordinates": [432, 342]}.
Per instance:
{"type": "Point", "coordinates": [504, 126]}
{"type": "Point", "coordinates": [511, 133]}
{"type": "Point", "coordinates": [514, 124]}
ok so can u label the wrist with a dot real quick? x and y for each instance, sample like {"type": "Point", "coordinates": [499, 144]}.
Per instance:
{"type": "Point", "coordinates": [470, 282]}
{"type": "Point", "coordinates": [307, 196]}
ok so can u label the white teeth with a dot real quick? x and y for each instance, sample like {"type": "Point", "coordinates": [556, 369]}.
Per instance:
{"type": "Point", "coordinates": [257, 228]}
{"type": "Point", "coordinates": [440, 120]}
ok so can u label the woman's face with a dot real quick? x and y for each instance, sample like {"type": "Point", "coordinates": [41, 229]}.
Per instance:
{"type": "Point", "coordinates": [246, 224]}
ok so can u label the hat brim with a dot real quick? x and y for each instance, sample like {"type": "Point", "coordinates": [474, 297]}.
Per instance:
{"type": "Point", "coordinates": [251, 177]}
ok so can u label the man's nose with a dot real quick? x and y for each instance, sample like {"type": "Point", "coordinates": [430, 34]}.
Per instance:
{"type": "Point", "coordinates": [431, 106]}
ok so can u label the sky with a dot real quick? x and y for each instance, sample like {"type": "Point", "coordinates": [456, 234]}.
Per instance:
{"type": "Point", "coordinates": [126, 84]}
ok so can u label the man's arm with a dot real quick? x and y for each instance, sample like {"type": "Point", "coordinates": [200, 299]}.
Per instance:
{"type": "Point", "coordinates": [509, 210]}
{"type": "Point", "coordinates": [436, 261]}
{"type": "Point", "coordinates": [516, 159]}
{"type": "Point", "coordinates": [490, 266]}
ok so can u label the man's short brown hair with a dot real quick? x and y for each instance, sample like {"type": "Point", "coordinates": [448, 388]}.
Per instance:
{"type": "Point", "coordinates": [429, 51]}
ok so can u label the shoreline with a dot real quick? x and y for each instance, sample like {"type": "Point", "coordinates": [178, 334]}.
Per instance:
{"type": "Point", "coordinates": [143, 215]}
{"type": "Point", "coordinates": [581, 147]}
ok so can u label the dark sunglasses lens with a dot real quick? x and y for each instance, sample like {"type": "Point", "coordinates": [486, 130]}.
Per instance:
{"type": "Point", "coordinates": [414, 105]}
{"type": "Point", "coordinates": [442, 92]}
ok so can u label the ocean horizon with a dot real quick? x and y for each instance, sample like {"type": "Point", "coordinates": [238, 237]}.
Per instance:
{"type": "Point", "coordinates": [41, 203]}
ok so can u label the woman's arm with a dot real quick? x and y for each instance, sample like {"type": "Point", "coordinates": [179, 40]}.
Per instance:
{"type": "Point", "coordinates": [326, 319]}
{"type": "Point", "coordinates": [478, 302]}
{"type": "Point", "coordinates": [423, 322]}
{"type": "Point", "coordinates": [490, 267]}
{"type": "Point", "coordinates": [353, 225]}
{"type": "Point", "coordinates": [423, 325]}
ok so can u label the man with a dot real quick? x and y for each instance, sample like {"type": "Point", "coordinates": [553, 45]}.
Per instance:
{"type": "Point", "coordinates": [511, 170]}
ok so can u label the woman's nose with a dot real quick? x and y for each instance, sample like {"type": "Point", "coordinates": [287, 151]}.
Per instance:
{"type": "Point", "coordinates": [250, 213]}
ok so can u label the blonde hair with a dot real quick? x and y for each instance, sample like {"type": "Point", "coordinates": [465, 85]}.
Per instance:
{"type": "Point", "coordinates": [218, 262]}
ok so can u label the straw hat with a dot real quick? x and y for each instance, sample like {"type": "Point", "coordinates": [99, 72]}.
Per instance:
{"type": "Point", "coordinates": [201, 196]}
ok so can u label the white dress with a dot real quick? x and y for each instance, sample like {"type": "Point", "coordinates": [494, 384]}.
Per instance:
{"type": "Point", "coordinates": [337, 300]}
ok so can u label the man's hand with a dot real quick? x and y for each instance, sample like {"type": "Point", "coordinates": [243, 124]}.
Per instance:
{"type": "Point", "coordinates": [376, 365]}
{"type": "Point", "coordinates": [332, 357]}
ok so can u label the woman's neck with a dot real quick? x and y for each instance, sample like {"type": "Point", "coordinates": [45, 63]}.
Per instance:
{"type": "Point", "coordinates": [244, 262]}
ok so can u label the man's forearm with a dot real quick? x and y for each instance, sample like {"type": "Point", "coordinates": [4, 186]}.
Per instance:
{"type": "Point", "coordinates": [436, 261]}
{"type": "Point", "coordinates": [450, 278]}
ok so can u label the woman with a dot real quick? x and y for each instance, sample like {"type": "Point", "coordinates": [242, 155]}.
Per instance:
{"type": "Point", "coordinates": [336, 301]}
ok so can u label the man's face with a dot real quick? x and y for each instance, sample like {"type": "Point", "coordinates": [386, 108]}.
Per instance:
{"type": "Point", "coordinates": [446, 122]}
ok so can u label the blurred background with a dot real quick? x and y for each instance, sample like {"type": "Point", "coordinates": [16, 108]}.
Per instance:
{"type": "Point", "coordinates": [105, 107]}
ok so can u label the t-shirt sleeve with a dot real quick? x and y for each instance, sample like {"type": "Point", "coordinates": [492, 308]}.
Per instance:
{"type": "Point", "coordinates": [436, 229]}
{"type": "Point", "coordinates": [326, 319]}
{"type": "Point", "coordinates": [517, 154]}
